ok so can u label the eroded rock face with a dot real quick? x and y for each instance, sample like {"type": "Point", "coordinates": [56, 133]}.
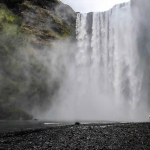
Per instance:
{"type": "Point", "coordinates": [25, 27]}
{"type": "Point", "coordinates": [44, 21]}
{"type": "Point", "coordinates": [48, 23]}
{"type": "Point", "coordinates": [13, 3]}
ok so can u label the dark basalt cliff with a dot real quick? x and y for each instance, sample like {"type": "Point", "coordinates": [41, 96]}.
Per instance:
{"type": "Point", "coordinates": [26, 27]}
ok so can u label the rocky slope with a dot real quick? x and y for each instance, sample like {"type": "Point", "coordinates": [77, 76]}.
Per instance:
{"type": "Point", "coordinates": [45, 21]}
{"type": "Point", "coordinates": [26, 27]}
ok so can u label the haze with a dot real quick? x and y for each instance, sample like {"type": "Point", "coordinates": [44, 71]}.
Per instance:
{"type": "Point", "coordinates": [85, 6]}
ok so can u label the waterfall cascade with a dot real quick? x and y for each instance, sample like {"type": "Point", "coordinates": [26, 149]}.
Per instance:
{"type": "Point", "coordinates": [106, 44]}
{"type": "Point", "coordinates": [105, 80]}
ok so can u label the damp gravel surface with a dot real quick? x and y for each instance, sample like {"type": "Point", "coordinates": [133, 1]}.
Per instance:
{"type": "Point", "coordinates": [84, 136]}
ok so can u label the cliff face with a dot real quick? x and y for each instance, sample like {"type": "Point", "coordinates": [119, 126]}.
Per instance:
{"type": "Point", "coordinates": [23, 77]}
{"type": "Point", "coordinates": [44, 21]}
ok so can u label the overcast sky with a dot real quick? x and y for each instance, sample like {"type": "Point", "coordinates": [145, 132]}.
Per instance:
{"type": "Point", "coordinates": [92, 5]}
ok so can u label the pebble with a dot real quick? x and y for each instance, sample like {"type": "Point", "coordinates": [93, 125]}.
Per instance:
{"type": "Point", "coordinates": [87, 136]}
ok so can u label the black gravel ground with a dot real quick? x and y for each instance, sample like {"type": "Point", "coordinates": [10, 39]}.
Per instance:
{"type": "Point", "coordinates": [85, 137]}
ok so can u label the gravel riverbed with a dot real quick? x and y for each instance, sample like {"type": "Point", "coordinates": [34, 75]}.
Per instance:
{"type": "Point", "coordinates": [75, 137]}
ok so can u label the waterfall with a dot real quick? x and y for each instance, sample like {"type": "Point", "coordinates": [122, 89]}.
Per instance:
{"type": "Point", "coordinates": [105, 80]}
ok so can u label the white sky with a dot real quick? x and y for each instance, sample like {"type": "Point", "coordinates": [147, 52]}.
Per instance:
{"type": "Point", "coordinates": [92, 5]}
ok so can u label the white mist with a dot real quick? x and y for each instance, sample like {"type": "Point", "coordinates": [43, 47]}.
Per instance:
{"type": "Point", "coordinates": [103, 78]}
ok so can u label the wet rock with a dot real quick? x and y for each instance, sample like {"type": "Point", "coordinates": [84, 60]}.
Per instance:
{"type": "Point", "coordinates": [77, 123]}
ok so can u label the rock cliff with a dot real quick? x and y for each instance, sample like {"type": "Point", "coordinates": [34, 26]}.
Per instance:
{"type": "Point", "coordinates": [23, 78]}
{"type": "Point", "coordinates": [44, 21]}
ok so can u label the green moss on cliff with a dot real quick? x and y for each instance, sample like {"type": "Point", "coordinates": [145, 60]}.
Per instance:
{"type": "Point", "coordinates": [29, 5]}
{"type": "Point", "coordinates": [16, 86]}
{"type": "Point", "coordinates": [65, 31]}
{"type": "Point", "coordinates": [56, 19]}
{"type": "Point", "coordinates": [23, 77]}
{"type": "Point", "coordinates": [10, 29]}
{"type": "Point", "coordinates": [13, 113]}
{"type": "Point", "coordinates": [46, 24]}
{"type": "Point", "coordinates": [7, 16]}
{"type": "Point", "coordinates": [9, 22]}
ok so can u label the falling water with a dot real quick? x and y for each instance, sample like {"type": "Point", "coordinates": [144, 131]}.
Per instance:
{"type": "Point", "coordinates": [105, 80]}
